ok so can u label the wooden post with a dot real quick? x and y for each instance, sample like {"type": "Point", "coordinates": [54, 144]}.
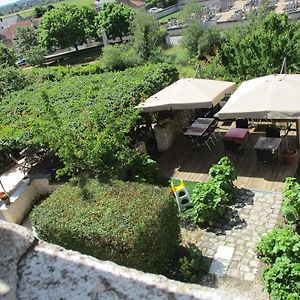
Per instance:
{"type": "Point", "coordinates": [298, 132]}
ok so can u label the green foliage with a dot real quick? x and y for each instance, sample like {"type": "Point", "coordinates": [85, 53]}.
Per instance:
{"type": "Point", "coordinates": [35, 55]}
{"type": "Point", "coordinates": [66, 26]}
{"type": "Point", "coordinates": [11, 79]}
{"type": "Point", "coordinates": [282, 279]}
{"type": "Point", "coordinates": [223, 172]}
{"type": "Point", "coordinates": [191, 36]}
{"type": "Point", "coordinates": [160, 3]}
{"type": "Point", "coordinates": [192, 264]}
{"type": "Point", "coordinates": [7, 57]}
{"type": "Point", "coordinates": [209, 42]}
{"type": "Point", "coordinates": [85, 120]}
{"type": "Point", "coordinates": [291, 201]}
{"type": "Point", "coordinates": [144, 169]}
{"type": "Point", "coordinates": [61, 72]}
{"type": "Point", "coordinates": [118, 57]}
{"type": "Point", "coordinates": [259, 48]}
{"type": "Point", "coordinates": [26, 38]}
{"type": "Point", "coordinates": [210, 199]}
{"type": "Point", "coordinates": [132, 224]}
{"type": "Point", "coordinates": [147, 36]}
{"type": "Point", "coordinates": [279, 242]}
{"type": "Point", "coordinates": [41, 10]}
{"type": "Point", "coordinates": [115, 19]}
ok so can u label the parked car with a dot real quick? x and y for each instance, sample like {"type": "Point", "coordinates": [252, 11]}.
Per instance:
{"type": "Point", "coordinates": [154, 10]}
{"type": "Point", "coordinates": [21, 62]}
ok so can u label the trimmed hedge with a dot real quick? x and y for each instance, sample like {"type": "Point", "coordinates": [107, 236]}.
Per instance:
{"type": "Point", "coordinates": [132, 224]}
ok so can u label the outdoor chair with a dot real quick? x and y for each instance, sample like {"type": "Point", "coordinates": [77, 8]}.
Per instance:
{"type": "Point", "coordinates": [241, 123]}
{"type": "Point", "coordinates": [266, 156]}
{"type": "Point", "coordinates": [272, 131]}
{"type": "Point", "coordinates": [205, 139]}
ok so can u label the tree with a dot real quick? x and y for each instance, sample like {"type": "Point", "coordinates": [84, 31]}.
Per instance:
{"type": "Point", "coordinates": [191, 16]}
{"type": "Point", "coordinates": [7, 57]}
{"type": "Point", "coordinates": [35, 55]}
{"type": "Point", "coordinates": [147, 35]}
{"type": "Point", "coordinates": [26, 38]}
{"type": "Point", "coordinates": [40, 10]}
{"type": "Point", "coordinates": [68, 25]}
{"type": "Point", "coordinates": [209, 42]}
{"type": "Point", "coordinates": [160, 3]}
{"type": "Point", "coordinates": [259, 48]}
{"type": "Point", "coordinates": [115, 19]}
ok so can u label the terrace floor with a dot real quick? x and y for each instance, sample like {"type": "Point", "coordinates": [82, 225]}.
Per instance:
{"type": "Point", "coordinates": [182, 161]}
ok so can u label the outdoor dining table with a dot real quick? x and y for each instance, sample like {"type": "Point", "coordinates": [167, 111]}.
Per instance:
{"type": "Point", "coordinates": [268, 143]}
{"type": "Point", "coordinates": [236, 134]}
{"type": "Point", "coordinates": [199, 126]}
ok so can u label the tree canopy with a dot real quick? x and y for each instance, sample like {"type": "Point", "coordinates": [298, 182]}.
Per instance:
{"type": "Point", "coordinates": [259, 48]}
{"type": "Point", "coordinates": [115, 19]}
{"type": "Point", "coordinates": [147, 35]}
{"type": "Point", "coordinates": [7, 57]}
{"type": "Point", "coordinates": [68, 25]}
{"type": "Point", "coordinates": [86, 120]}
{"type": "Point", "coordinates": [26, 38]}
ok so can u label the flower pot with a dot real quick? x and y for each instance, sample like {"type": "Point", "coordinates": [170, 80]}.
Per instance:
{"type": "Point", "coordinates": [290, 157]}
{"type": "Point", "coordinates": [5, 198]}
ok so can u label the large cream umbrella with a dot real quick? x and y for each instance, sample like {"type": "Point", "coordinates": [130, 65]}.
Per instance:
{"type": "Point", "coordinates": [188, 93]}
{"type": "Point", "coordinates": [272, 97]}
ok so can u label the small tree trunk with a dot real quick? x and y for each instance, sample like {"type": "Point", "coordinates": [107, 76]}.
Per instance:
{"type": "Point", "coordinates": [76, 47]}
{"type": "Point", "coordinates": [121, 39]}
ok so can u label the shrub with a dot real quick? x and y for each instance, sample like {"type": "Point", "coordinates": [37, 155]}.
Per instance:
{"type": "Point", "coordinates": [208, 201]}
{"type": "Point", "coordinates": [282, 280]}
{"type": "Point", "coordinates": [279, 242]}
{"type": "Point", "coordinates": [118, 57]}
{"type": "Point", "coordinates": [291, 201]}
{"type": "Point", "coordinates": [144, 169]}
{"type": "Point", "coordinates": [132, 224]}
{"type": "Point", "coordinates": [192, 264]}
{"type": "Point", "coordinates": [224, 173]}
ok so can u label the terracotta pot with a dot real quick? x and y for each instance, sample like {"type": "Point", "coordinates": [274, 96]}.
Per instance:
{"type": "Point", "coordinates": [290, 158]}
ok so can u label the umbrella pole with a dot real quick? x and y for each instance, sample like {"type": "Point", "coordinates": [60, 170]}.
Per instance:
{"type": "Point", "coordinates": [298, 132]}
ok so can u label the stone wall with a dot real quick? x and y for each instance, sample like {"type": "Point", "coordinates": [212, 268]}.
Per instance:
{"type": "Point", "coordinates": [168, 130]}
{"type": "Point", "coordinates": [33, 269]}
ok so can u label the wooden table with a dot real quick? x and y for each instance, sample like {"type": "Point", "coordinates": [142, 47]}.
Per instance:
{"type": "Point", "coordinates": [268, 143]}
{"type": "Point", "coordinates": [236, 134]}
{"type": "Point", "coordinates": [199, 126]}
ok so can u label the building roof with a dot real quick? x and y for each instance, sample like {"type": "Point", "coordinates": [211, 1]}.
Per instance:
{"type": "Point", "coordinates": [8, 21]}
{"type": "Point", "coordinates": [8, 34]}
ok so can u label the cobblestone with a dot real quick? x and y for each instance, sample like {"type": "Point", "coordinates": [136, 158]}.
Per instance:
{"type": "Point", "coordinates": [241, 228]}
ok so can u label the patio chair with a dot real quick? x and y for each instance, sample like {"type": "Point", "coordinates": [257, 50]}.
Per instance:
{"type": "Point", "coordinates": [272, 131]}
{"type": "Point", "coordinates": [241, 123]}
{"type": "Point", "coordinates": [205, 139]}
{"type": "Point", "coordinates": [266, 156]}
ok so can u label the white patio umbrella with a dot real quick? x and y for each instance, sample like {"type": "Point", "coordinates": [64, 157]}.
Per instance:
{"type": "Point", "coordinates": [272, 97]}
{"type": "Point", "coordinates": [188, 93]}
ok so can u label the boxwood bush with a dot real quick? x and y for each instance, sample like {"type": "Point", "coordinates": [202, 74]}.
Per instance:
{"type": "Point", "coordinates": [132, 224]}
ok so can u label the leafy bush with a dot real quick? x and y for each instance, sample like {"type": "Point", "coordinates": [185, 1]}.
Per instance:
{"type": "Point", "coordinates": [208, 201]}
{"type": "Point", "coordinates": [282, 279]}
{"type": "Point", "coordinates": [132, 224]}
{"type": "Point", "coordinates": [11, 80]}
{"type": "Point", "coordinates": [291, 201]}
{"type": "Point", "coordinates": [118, 57]}
{"type": "Point", "coordinates": [7, 57]}
{"type": "Point", "coordinates": [224, 173]}
{"type": "Point", "coordinates": [192, 264]}
{"type": "Point", "coordinates": [279, 242]}
{"type": "Point", "coordinates": [144, 169]}
{"type": "Point", "coordinates": [85, 120]}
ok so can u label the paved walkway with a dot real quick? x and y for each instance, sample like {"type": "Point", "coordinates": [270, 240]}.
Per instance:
{"type": "Point", "coordinates": [253, 214]}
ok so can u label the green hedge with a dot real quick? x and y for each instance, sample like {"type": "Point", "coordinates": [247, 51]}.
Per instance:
{"type": "Point", "coordinates": [132, 224]}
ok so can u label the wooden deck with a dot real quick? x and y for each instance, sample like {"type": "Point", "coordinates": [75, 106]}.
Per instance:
{"type": "Point", "coordinates": [182, 161]}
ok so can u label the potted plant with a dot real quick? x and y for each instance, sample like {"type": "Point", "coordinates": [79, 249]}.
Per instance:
{"type": "Point", "coordinates": [289, 155]}
{"type": "Point", "coordinates": [5, 198]}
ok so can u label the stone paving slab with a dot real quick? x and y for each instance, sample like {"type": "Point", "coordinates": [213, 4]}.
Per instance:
{"type": "Point", "coordinates": [253, 214]}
